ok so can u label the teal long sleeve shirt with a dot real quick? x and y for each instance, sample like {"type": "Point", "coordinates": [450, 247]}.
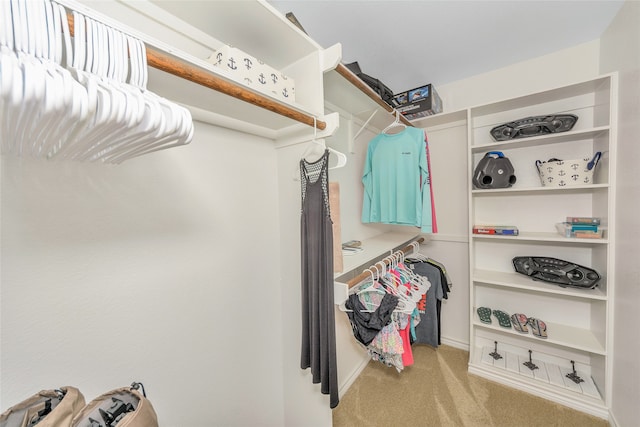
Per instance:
{"type": "Point", "coordinates": [396, 180]}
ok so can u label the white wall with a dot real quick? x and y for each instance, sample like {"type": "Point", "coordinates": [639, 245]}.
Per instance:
{"type": "Point", "coordinates": [163, 270]}
{"type": "Point", "coordinates": [448, 151]}
{"type": "Point", "coordinates": [620, 51]}
{"type": "Point", "coordinates": [555, 69]}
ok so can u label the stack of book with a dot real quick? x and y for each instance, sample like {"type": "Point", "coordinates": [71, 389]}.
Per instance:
{"type": "Point", "coordinates": [580, 227]}
{"type": "Point", "coordinates": [352, 247]}
{"type": "Point", "coordinates": [505, 230]}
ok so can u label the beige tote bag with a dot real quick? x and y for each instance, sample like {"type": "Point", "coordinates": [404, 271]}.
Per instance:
{"type": "Point", "coordinates": [122, 407]}
{"type": "Point", "coordinates": [48, 408]}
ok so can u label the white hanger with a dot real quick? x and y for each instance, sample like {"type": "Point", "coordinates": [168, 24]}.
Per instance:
{"type": "Point", "coordinates": [6, 32]}
{"type": "Point", "coordinates": [33, 75]}
{"type": "Point", "coordinates": [409, 295]}
{"type": "Point", "coordinates": [56, 102]}
{"type": "Point", "coordinates": [395, 260]}
{"type": "Point", "coordinates": [36, 100]}
{"type": "Point", "coordinates": [103, 133]}
{"type": "Point", "coordinates": [122, 109]}
{"type": "Point", "coordinates": [422, 282]}
{"type": "Point", "coordinates": [97, 99]}
{"type": "Point", "coordinates": [8, 73]}
{"type": "Point", "coordinates": [416, 252]}
{"type": "Point", "coordinates": [175, 125]}
{"type": "Point", "coordinates": [315, 150]}
{"type": "Point", "coordinates": [367, 281]}
{"type": "Point", "coordinates": [130, 107]}
{"type": "Point", "coordinates": [395, 123]}
{"type": "Point", "coordinates": [370, 285]}
{"type": "Point", "coordinates": [342, 158]}
{"type": "Point", "coordinates": [27, 73]}
{"type": "Point", "coordinates": [358, 288]}
{"type": "Point", "coordinates": [128, 101]}
{"type": "Point", "coordinates": [109, 102]}
{"type": "Point", "coordinates": [85, 111]}
{"type": "Point", "coordinates": [418, 286]}
{"type": "Point", "coordinates": [78, 97]}
{"type": "Point", "coordinates": [370, 288]}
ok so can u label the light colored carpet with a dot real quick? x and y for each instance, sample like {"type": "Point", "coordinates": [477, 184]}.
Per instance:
{"type": "Point", "coordinates": [438, 391]}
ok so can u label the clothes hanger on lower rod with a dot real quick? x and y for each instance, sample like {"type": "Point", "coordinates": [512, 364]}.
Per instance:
{"type": "Point", "coordinates": [415, 254]}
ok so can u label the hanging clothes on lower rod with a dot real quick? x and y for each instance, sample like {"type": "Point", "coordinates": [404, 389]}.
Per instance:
{"type": "Point", "coordinates": [386, 308]}
{"type": "Point", "coordinates": [429, 330]}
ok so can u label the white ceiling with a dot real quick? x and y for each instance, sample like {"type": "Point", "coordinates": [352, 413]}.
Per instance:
{"type": "Point", "coordinates": [407, 44]}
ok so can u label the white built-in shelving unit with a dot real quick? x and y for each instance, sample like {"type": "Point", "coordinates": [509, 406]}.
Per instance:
{"type": "Point", "coordinates": [579, 321]}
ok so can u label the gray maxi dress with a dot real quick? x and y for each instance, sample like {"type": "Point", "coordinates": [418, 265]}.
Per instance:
{"type": "Point", "coordinates": [318, 316]}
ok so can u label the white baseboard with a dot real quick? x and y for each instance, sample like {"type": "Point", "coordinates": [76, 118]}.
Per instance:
{"type": "Point", "coordinates": [454, 343]}
{"type": "Point", "coordinates": [354, 375]}
{"type": "Point", "coordinates": [612, 419]}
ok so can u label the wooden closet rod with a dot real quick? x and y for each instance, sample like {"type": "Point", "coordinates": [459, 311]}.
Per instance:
{"type": "Point", "coordinates": [179, 68]}
{"type": "Point", "coordinates": [360, 277]}
{"type": "Point", "coordinates": [357, 82]}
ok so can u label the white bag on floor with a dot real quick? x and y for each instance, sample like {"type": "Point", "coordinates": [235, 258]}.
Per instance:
{"type": "Point", "coordinates": [122, 407]}
{"type": "Point", "coordinates": [48, 408]}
